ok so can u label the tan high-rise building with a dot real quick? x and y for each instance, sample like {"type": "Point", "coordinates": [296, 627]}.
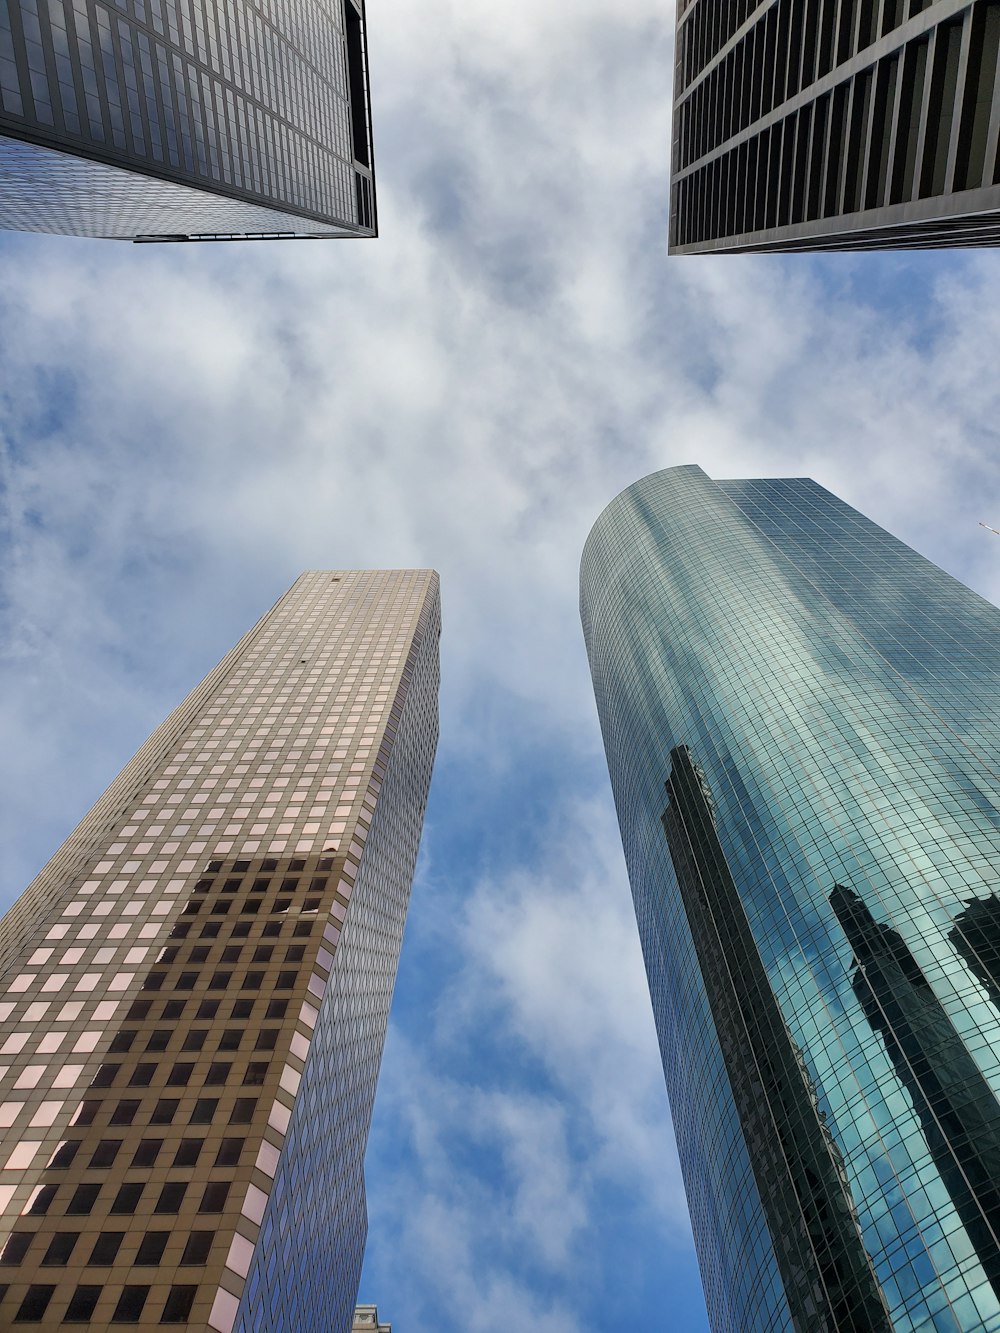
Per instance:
{"type": "Point", "coordinates": [366, 1320]}
{"type": "Point", "coordinates": [194, 991]}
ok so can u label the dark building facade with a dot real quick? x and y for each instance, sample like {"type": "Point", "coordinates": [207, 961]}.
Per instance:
{"type": "Point", "coordinates": [835, 124]}
{"type": "Point", "coordinates": [185, 119]}
{"type": "Point", "coordinates": [194, 991]}
{"type": "Point", "coordinates": [801, 717]}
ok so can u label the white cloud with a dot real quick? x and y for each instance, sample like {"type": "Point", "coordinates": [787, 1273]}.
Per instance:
{"type": "Point", "coordinates": [185, 428]}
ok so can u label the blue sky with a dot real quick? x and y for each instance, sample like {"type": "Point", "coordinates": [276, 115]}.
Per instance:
{"type": "Point", "coordinates": [183, 429]}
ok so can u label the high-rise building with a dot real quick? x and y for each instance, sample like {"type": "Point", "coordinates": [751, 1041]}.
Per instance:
{"type": "Point", "coordinates": [835, 124]}
{"type": "Point", "coordinates": [194, 991]}
{"type": "Point", "coordinates": [163, 120]}
{"type": "Point", "coordinates": [802, 721]}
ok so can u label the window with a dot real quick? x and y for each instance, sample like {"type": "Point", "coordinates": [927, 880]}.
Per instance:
{"type": "Point", "coordinates": [214, 1198]}
{"type": "Point", "coordinates": [180, 931]}
{"type": "Point", "coordinates": [243, 1110]}
{"type": "Point", "coordinates": [122, 1042]}
{"type": "Point", "coordinates": [186, 981]}
{"type": "Point", "coordinates": [130, 1304]}
{"type": "Point", "coordinates": [229, 1152]}
{"type": "Point", "coordinates": [241, 930]}
{"type": "Point", "coordinates": [127, 1199]}
{"type": "Point", "coordinates": [289, 885]}
{"type": "Point", "coordinates": [266, 1039]}
{"type": "Point", "coordinates": [174, 1008]}
{"type": "Point", "coordinates": [16, 1247]}
{"type": "Point", "coordinates": [204, 1111]}
{"type": "Point", "coordinates": [256, 1074]}
{"type": "Point", "coordinates": [210, 930]}
{"type": "Point", "coordinates": [125, 1112]}
{"type": "Point", "coordinates": [199, 954]}
{"type": "Point", "coordinates": [88, 1110]}
{"type": "Point", "coordinates": [271, 929]}
{"type": "Point", "coordinates": [220, 907]}
{"type": "Point", "coordinates": [61, 1246]}
{"type": "Point", "coordinates": [260, 886]}
{"type": "Point", "coordinates": [154, 981]}
{"type": "Point", "coordinates": [262, 954]}
{"type": "Point", "coordinates": [147, 1152]}
{"type": "Point", "coordinates": [242, 1009]}
{"type": "Point", "coordinates": [230, 1040]}
{"type": "Point", "coordinates": [139, 1010]}
{"type": "Point", "coordinates": [302, 928]}
{"type": "Point", "coordinates": [251, 906]}
{"type": "Point", "coordinates": [195, 1040]}
{"type": "Point", "coordinates": [231, 885]}
{"type": "Point", "coordinates": [42, 1201]}
{"type": "Point", "coordinates": [82, 1304]}
{"type": "Point", "coordinates": [218, 1072]}
{"type": "Point", "coordinates": [106, 1247]}
{"type": "Point", "coordinates": [208, 1008]}
{"type": "Point", "coordinates": [105, 1076]}
{"type": "Point", "coordinates": [286, 980]}
{"type": "Point", "coordinates": [277, 1009]}
{"type": "Point", "coordinates": [36, 1302]}
{"type": "Point", "coordinates": [196, 1251]}
{"type": "Point", "coordinates": [105, 1152]}
{"type": "Point", "coordinates": [188, 1152]}
{"type": "Point", "coordinates": [220, 980]}
{"type": "Point", "coordinates": [64, 1154]}
{"type": "Point", "coordinates": [164, 1111]}
{"type": "Point", "coordinates": [180, 1075]}
{"type": "Point", "coordinates": [281, 905]}
{"type": "Point", "coordinates": [253, 981]}
{"type": "Point", "coordinates": [178, 1306]}
{"type": "Point", "coordinates": [151, 1247]}
{"type": "Point", "coordinates": [168, 955]}
{"type": "Point", "coordinates": [295, 953]}
{"type": "Point", "coordinates": [171, 1197]}
{"type": "Point", "coordinates": [83, 1200]}
{"type": "Point", "coordinates": [142, 1075]}
{"type": "Point", "coordinates": [159, 1039]}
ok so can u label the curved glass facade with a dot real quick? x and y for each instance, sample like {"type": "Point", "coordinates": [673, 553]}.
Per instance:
{"type": "Point", "coordinates": [802, 722]}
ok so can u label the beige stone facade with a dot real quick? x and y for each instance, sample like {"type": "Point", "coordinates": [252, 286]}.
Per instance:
{"type": "Point", "coordinates": [164, 980]}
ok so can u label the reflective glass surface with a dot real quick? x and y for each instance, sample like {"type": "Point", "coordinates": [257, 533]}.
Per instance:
{"type": "Point", "coordinates": [247, 108]}
{"type": "Point", "coordinates": [801, 717]}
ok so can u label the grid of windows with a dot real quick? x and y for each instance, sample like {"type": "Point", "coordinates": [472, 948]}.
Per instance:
{"type": "Point", "coordinates": [241, 119]}
{"type": "Point", "coordinates": [801, 717]}
{"type": "Point", "coordinates": [836, 123]}
{"type": "Point", "coordinates": [165, 981]}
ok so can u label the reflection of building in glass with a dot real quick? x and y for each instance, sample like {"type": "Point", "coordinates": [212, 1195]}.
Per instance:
{"type": "Point", "coordinates": [827, 1275]}
{"type": "Point", "coordinates": [159, 120]}
{"type": "Point", "coordinates": [976, 936]}
{"type": "Point", "coordinates": [808, 124]}
{"type": "Point", "coordinates": [194, 991]}
{"type": "Point", "coordinates": [956, 1108]}
{"type": "Point", "coordinates": [824, 707]}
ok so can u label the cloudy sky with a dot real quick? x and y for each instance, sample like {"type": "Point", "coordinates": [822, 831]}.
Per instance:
{"type": "Point", "coordinates": [183, 429]}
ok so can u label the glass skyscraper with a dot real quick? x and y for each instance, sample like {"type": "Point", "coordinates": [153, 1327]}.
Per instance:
{"type": "Point", "coordinates": [802, 724]}
{"type": "Point", "coordinates": [185, 119]}
{"type": "Point", "coordinates": [835, 125]}
{"type": "Point", "coordinates": [194, 991]}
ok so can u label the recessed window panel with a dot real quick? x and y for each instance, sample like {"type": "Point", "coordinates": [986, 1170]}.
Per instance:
{"type": "Point", "coordinates": [106, 1248]}
{"type": "Point", "coordinates": [82, 1304]}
